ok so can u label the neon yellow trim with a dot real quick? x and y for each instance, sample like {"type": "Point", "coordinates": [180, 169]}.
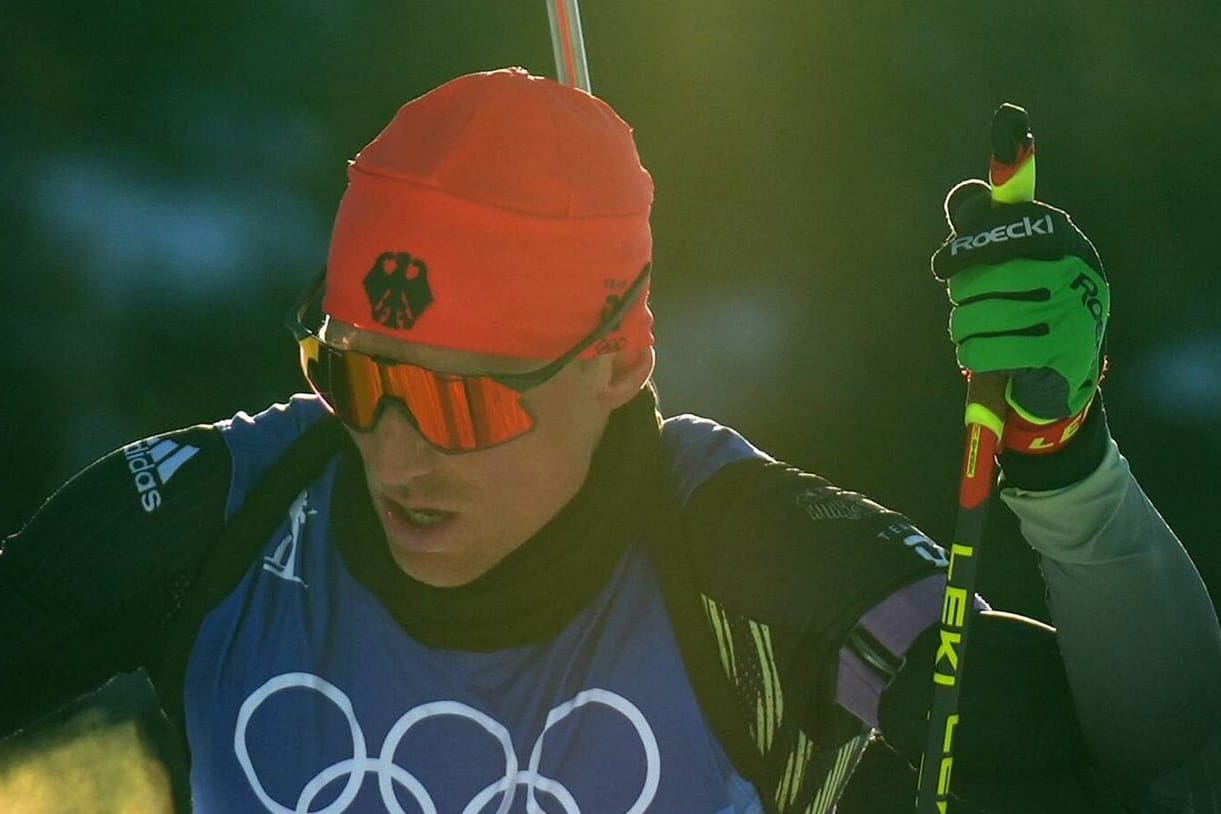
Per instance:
{"type": "Point", "coordinates": [1019, 188]}
{"type": "Point", "coordinates": [794, 772]}
{"type": "Point", "coordinates": [770, 704]}
{"type": "Point", "coordinates": [981, 415]}
{"type": "Point", "coordinates": [846, 758]}
{"type": "Point", "coordinates": [723, 639]}
{"type": "Point", "coordinates": [733, 655]}
{"type": "Point", "coordinates": [804, 748]}
{"type": "Point", "coordinates": [771, 673]}
{"type": "Point", "coordinates": [787, 790]}
{"type": "Point", "coordinates": [973, 449]}
{"type": "Point", "coordinates": [760, 726]}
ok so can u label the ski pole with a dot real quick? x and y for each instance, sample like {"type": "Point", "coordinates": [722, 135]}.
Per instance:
{"type": "Point", "coordinates": [1011, 172]}
{"type": "Point", "coordinates": [568, 42]}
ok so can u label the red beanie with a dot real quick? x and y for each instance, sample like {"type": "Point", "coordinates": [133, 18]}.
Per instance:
{"type": "Point", "coordinates": [497, 214]}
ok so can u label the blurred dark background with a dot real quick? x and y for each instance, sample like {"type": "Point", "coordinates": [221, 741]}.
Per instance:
{"type": "Point", "coordinates": [172, 170]}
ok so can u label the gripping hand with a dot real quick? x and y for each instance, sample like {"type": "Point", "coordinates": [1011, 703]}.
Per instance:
{"type": "Point", "coordinates": [1030, 298]}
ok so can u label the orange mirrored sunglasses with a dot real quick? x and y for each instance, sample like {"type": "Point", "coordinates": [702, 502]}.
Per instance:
{"type": "Point", "coordinates": [454, 413]}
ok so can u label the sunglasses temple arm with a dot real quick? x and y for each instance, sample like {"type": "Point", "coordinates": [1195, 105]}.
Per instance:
{"type": "Point", "coordinates": [293, 318]}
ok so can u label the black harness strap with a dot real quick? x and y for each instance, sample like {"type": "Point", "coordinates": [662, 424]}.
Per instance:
{"type": "Point", "coordinates": [697, 643]}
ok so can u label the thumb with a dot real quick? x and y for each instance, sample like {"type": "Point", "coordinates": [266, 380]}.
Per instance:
{"type": "Point", "coordinates": [967, 202]}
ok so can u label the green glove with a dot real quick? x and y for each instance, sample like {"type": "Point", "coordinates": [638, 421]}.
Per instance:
{"type": "Point", "coordinates": [1030, 298]}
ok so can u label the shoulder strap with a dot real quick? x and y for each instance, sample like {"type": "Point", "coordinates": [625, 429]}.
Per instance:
{"type": "Point", "coordinates": [245, 535]}
{"type": "Point", "coordinates": [690, 616]}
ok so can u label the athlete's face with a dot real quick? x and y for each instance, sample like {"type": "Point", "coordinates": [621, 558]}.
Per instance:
{"type": "Point", "coordinates": [449, 518]}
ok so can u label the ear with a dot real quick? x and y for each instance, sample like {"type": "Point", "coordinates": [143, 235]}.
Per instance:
{"type": "Point", "coordinates": [629, 370]}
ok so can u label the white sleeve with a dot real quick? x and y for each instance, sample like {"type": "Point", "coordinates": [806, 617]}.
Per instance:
{"type": "Point", "coordinates": [1137, 629]}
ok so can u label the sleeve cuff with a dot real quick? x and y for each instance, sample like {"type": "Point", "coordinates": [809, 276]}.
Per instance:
{"type": "Point", "coordinates": [1070, 464]}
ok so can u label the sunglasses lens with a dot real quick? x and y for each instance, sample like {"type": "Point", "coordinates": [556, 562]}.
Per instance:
{"type": "Point", "coordinates": [454, 413]}
{"type": "Point", "coordinates": [461, 412]}
{"type": "Point", "coordinates": [357, 388]}
{"type": "Point", "coordinates": [349, 385]}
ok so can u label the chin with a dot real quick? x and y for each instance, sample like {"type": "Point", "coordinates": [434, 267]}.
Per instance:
{"type": "Point", "coordinates": [440, 568]}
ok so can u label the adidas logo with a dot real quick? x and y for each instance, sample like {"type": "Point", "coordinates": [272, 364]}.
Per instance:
{"type": "Point", "coordinates": [152, 463]}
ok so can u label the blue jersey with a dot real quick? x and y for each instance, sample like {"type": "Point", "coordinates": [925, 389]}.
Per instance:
{"type": "Point", "coordinates": [304, 695]}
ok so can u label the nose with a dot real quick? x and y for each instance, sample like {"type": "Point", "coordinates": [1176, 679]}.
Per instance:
{"type": "Point", "coordinates": [394, 451]}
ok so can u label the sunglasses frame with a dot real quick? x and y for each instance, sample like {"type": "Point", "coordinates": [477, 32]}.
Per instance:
{"type": "Point", "coordinates": [311, 300]}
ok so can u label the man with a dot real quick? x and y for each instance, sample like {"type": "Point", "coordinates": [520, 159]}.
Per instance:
{"type": "Point", "coordinates": [504, 585]}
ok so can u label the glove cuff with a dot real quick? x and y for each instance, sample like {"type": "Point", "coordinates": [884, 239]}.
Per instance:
{"type": "Point", "coordinates": [1041, 438]}
{"type": "Point", "coordinates": [1055, 462]}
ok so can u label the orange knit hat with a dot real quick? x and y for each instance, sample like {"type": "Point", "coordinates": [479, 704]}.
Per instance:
{"type": "Point", "coordinates": [499, 213]}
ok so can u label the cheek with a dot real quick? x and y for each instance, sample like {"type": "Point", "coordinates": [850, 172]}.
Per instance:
{"type": "Point", "coordinates": [547, 466]}
{"type": "Point", "coordinates": [554, 457]}
{"type": "Point", "coordinates": [569, 420]}
{"type": "Point", "coordinates": [524, 484]}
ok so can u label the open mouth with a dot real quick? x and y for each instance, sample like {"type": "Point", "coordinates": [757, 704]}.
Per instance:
{"type": "Point", "coordinates": [418, 517]}
{"type": "Point", "coordinates": [423, 518]}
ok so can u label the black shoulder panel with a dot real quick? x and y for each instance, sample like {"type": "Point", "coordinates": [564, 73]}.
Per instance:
{"type": "Point", "coordinates": [789, 549]}
{"type": "Point", "coordinates": [88, 583]}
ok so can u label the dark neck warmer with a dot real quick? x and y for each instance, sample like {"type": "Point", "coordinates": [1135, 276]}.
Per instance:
{"type": "Point", "coordinates": [533, 592]}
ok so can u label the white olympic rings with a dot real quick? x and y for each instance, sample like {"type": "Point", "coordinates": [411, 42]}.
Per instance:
{"type": "Point", "coordinates": [389, 773]}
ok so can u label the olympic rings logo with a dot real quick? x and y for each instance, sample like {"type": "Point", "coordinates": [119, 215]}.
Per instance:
{"type": "Point", "coordinates": [389, 773]}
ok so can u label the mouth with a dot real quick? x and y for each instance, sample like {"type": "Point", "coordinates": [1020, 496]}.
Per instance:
{"type": "Point", "coordinates": [413, 523]}
{"type": "Point", "coordinates": [423, 518]}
